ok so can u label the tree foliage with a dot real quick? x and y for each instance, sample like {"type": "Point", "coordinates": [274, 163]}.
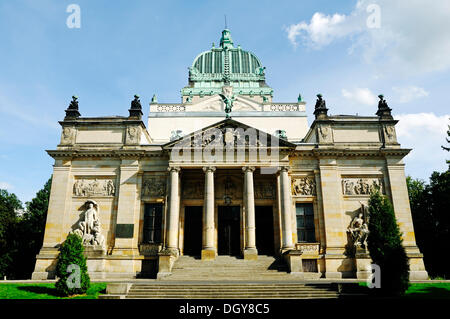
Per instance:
{"type": "Point", "coordinates": [9, 206]}
{"type": "Point", "coordinates": [21, 236]}
{"type": "Point", "coordinates": [429, 208]}
{"type": "Point", "coordinates": [31, 232]}
{"type": "Point", "coordinates": [385, 246]}
{"type": "Point", "coordinates": [71, 253]}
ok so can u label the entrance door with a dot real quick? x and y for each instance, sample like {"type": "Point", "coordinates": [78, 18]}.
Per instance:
{"type": "Point", "coordinates": [228, 230]}
{"type": "Point", "coordinates": [192, 230]}
{"type": "Point", "coordinates": [264, 230]}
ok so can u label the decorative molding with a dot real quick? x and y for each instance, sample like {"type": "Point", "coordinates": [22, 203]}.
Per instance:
{"type": "Point", "coordinates": [171, 108]}
{"type": "Point", "coordinates": [284, 107]}
{"type": "Point", "coordinates": [308, 248]}
{"type": "Point", "coordinates": [94, 187]}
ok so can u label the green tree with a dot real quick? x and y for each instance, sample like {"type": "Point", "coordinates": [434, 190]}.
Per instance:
{"type": "Point", "coordinates": [385, 246]}
{"type": "Point", "coordinates": [448, 141]}
{"type": "Point", "coordinates": [30, 232]}
{"type": "Point", "coordinates": [72, 281]}
{"type": "Point", "coordinates": [9, 206]}
{"type": "Point", "coordinates": [429, 207]}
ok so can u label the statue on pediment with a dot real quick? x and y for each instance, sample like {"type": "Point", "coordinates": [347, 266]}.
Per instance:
{"type": "Point", "coordinates": [228, 98]}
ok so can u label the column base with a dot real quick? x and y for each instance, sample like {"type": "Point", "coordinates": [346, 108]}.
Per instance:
{"type": "Point", "coordinates": [208, 254]}
{"type": "Point", "coordinates": [250, 254]}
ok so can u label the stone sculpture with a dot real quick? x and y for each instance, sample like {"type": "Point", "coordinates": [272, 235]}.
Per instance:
{"type": "Point", "coordinates": [93, 187]}
{"type": "Point", "coordinates": [303, 186]}
{"type": "Point", "coordinates": [228, 98]}
{"type": "Point", "coordinates": [154, 187]}
{"type": "Point", "coordinates": [358, 229]}
{"type": "Point", "coordinates": [88, 228]}
{"type": "Point", "coordinates": [361, 186]}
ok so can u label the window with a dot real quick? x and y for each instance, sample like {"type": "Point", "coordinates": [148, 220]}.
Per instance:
{"type": "Point", "coordinates": [152, 223]}
{"type": "Point", "coordinates": [305, 223]}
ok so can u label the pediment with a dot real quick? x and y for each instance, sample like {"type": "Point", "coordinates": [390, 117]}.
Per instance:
{"type": "Point", "coordinates": [229, 133]}
{"type": "Point", "coordinates": [216, 104]}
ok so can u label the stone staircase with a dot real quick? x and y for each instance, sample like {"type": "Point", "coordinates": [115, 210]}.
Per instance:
{"type": "Point", "coordinates": [229, 268]}
{"type": "Point", "coordinates": [232, 290]}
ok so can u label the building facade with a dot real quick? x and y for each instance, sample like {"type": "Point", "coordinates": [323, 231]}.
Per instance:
{"type": "Point", "coordinates": [225, 172]}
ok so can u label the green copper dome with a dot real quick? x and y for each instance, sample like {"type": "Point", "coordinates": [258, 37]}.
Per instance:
{"type": "Point", "coordinates": [226, 65]}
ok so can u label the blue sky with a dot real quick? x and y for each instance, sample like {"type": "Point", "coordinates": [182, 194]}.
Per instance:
{"type": "Point", "coordinates": [145, 47]}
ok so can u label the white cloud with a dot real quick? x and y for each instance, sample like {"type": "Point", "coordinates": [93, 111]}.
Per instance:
{"type": "Point", "coordinates": [5, 185]}
{"type": "Point", "coordinates": [412, 37]}
{"type": "Point", "coordinates": [424, 133]}
{"type": "Point", "coordinates": [321, 31]}
{"type": "Point", "coordinates": [409, 93]}
{"type": "Point", "coordinates": [419, 124]}
{"type": "Point", "coordinates": [360, 96]}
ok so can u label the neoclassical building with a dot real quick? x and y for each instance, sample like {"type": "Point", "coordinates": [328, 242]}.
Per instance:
{"type": "Point", "coordinates": [227, 171]}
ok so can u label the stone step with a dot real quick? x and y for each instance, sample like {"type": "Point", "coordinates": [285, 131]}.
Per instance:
{"type": "Point", "coordinates": [231, 289]}
{"type": "Point", "coordinates": [231, 297]}
{"type": "Point", "coordinates": [244, 290]}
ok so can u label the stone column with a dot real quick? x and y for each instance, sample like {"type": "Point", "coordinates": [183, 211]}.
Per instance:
{"type": "Point", "coordinates": [250, 252]}
{"type": "Point", "coordinates": [286, 214]}
{"type": "Point", "coordinates": [335, 229]}
{"type": "Point", "coordinates": [209, 250]}
{"type": "Point", "coordinates": [174, 210]}
{"type": "Point", "coordinates": [400, 202]}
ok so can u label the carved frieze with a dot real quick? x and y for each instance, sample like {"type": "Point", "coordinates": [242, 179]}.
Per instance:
{"type": "Point", "coordinates": [229, 187]}
{"type": "Point", "coordinates": [361, 186]}
{"type": "Point", "coordinates": [389, 134]}
{"type": "Point", "coordinates": [324, 134]}
{"type": "Point", "coordinates": [193, 189]}
{"type": "Point", "coordinates": [68, 135]}
{"type": "Point", "coordinates": [94, 187]}
{"type": "Point", "coordinates": [154, 186]}
{"type": "Point", "coordinates": [264, 190]}
{"type": "Point", "coordinates": [133, 135]}
{"type": "Point", "coordinates": [303, 186]}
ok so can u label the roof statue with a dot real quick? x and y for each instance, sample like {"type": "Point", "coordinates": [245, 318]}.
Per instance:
{"type": "Point", "coordinates": [136, 107]}
{"type": "Point", "coordinates": [383, 108]}
{"type": "Point", "coordinates": [72, 109]}
{"type": "Point", "coordinates": [320, 109]}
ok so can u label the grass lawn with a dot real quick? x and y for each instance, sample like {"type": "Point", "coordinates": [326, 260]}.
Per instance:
{"type": "Point", "coordinates": [44, 291]}
{"type": "Point", "coordinates": [425, 290]}
{"type": "Point", "coordinates": [429, 291]}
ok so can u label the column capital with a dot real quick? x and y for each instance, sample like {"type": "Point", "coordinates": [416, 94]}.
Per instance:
{"type": "Point", "coordinates": [174, 168]}
{"type": "Point", "coordinates": [284, 168]}
{"type": "Point", "coordinates": [248, 168]}
{"type": "Point", "coordinates": [209, 169]}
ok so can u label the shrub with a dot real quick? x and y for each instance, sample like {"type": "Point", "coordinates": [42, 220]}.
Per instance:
{"type": "Point", "coordinates": [385, 246]}
{"type": "Point", "coordinates": [71, 256]}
